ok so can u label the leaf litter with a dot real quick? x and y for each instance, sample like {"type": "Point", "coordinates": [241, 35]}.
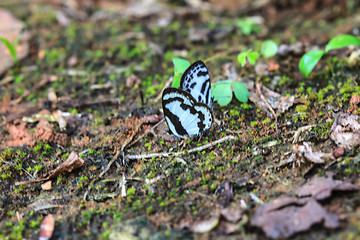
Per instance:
{"type": "Point", "coordinates": [72, 162]}
{"type": "Point", "coordinates": [286, 216]}
{"type": "Point", "coordinates": [103, 50]}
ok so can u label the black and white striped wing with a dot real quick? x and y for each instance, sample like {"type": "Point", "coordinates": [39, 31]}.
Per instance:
{"type": "Point", "coordinates": [183, 114]}
{"type": "Point", "coordinates": [196, 81]}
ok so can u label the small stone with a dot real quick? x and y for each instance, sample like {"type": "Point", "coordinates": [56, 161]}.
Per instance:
{"type": "Point", "coordinates": [339, 152]}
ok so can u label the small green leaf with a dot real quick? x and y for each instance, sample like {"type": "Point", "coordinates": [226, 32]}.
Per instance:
{"type": "Point", "coordinates": [242, 58]}
{"type": "Point", "coordinates": [252, 57]}
{"type": "Point", "coordinates": [268, 48]}
{"type": "Point", "coordinates": [221, 92]}
{"type": "Point", "coordinates": [240, 91]}
{"type": "Point", "coordinates": [180, 65]}
{"type": "Point", "coordinates": [342, 41]}
{"type": "Point", "coordinates": [10, 47]}
{"type": "Point", "coordinates": [309, 60]}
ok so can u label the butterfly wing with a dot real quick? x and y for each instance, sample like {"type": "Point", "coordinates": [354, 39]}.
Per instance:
{"type": "Point", "coordinates": [183, 114]}
{"type": "Point", "coordinates": [196, 81]}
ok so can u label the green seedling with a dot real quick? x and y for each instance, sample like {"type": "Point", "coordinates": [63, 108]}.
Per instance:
{"type": "Point", "coordinates": [222, 92]}
{"type": "Point", "coordinates": [180, 65]}
{"type": "Point", "coordinates": [11, 47]}
{"type": "Point", "coordinates": [309, 60]}
{"type": "Point", "coordinates": [268, 49]}
{"type": "Point", "coordinates": [248, 25]}
{"type": "Point", "coordinates": [250, 55]}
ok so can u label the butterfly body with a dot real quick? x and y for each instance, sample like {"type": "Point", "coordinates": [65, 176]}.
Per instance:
{"type": "Point", "coordinates": [187, 109]}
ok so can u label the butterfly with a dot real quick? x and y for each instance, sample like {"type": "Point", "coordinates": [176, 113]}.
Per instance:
{"type": "Point", "coordinates": [187, 109]}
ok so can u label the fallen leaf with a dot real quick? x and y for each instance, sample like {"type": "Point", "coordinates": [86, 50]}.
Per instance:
{"type": "Point", "coordinates": [46, 185]}
{"type": "Point", "coordinates": [277, 102]}
{"type": "Point", "coordinates": [205, 225]}
{"type": "Point", "coordinates": [232, 213]}
{"type": "Point", "coordinates": [305, 151]}
{"type": "Point", "coordinates": [228, 227]}
{"type": "Point", "coordinates": [345, 130]}
{"type": "Point", "coordinates": [321, 188]}
{"type": "Point", "coordinates": [286, 216]}
{"type": "Point", "coordinates": [151, 118]}
{"type": "Point", "coordinates": [11, 29]}
{"type": "Point", "coordinates": [47, 227]}
{"type": "Point", "coordinates": [48, 203]}
{"type": "Point", "coordinates": [72, 162]}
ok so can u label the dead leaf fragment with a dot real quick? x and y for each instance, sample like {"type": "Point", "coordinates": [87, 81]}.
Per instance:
{"type": "Point", "coordinates": [205, 225]}
{"type": "Point", "coordinates": [46, 185]}
{"type": "Point", "coordinates": [345, 131]}
{"type": "Point", "coordinates": [277, 102]}
{"type": "Point", "coordinates": [72, 162]}
{"type": "Point", "coordinates": [321, 188]}
{"type": "Point", "coordinates": [47, 227]}
{"type": "Point", "coordinates": [286, 216]}
{"type": "Point", "coordinates": [11, 29]}
{"type": "Point", "coordinates": [232, 213]}
{"type": "Point", "coordinates": [305, 151]}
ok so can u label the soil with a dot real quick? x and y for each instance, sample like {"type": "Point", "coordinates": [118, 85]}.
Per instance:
{"type": "Point", "coordinates": [90, 88]}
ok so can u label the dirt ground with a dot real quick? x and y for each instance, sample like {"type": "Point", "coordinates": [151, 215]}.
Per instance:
{"type": "Point", "coordinates": [85, 152]}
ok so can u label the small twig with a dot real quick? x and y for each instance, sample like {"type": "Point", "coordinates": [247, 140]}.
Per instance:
{"type": "Point", "coordinates": [168, 154]}
{"type": "Point", "coordinates": [256, 199]}
{"type": "Point", "coordinates": [146, 133]}
{"type": "Point", "coordinates": [301, 130]}
{"type": "Point", "coordinates": [110, 163]}
{"type": "Point", "coordinates": [258, 89]}
{"type": "Point", "coordinates": [45, 80]}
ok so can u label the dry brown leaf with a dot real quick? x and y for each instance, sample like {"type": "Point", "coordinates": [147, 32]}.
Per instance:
{"type": "Point", "coordinates": [205, 225]}
{"type": "Point", "coordinates": [321, 188]}
{"type": "Point", "coordinates": [72, 162]}
{"type": "Point", "coordinates": [46, 185]}
{"type": "Point", "coordinates": [305, 151]}
{"type": "Point", "coordinates": [345, 130]}
{"type": "Point", "coordinates": [277, 102]}
{"type": "Point", "coordinates": [47, 227]}
{"type": "Point", "coordinates": [11, 29]}
{"type": "Point", "coordinates": [151, 118]}
{"type": "Point", "coordinates": [286, 216]}
{"type": "Point", "coordinates": [232, 213]}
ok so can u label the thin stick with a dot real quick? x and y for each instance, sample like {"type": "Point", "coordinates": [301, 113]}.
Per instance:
{"type": "Point", "coordinates": [258, 88]}
{"type": "Point", "coordinates": [300, 130]}
{"type": "Point", "coordinates": [110, 163]}
{"type": "Point", "coordinates": [147, 132]}
{"type": "Point", "coordinates": [168, 154]}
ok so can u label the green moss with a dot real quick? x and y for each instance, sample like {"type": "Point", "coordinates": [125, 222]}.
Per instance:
{"type": "Point", "coordinates": [130, 191]}
{"type": "Point", "coordinates": [301, 108]}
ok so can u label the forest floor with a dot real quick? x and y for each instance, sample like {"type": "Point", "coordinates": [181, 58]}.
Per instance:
{"type": "Point", "coordinates": [82, 142]}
